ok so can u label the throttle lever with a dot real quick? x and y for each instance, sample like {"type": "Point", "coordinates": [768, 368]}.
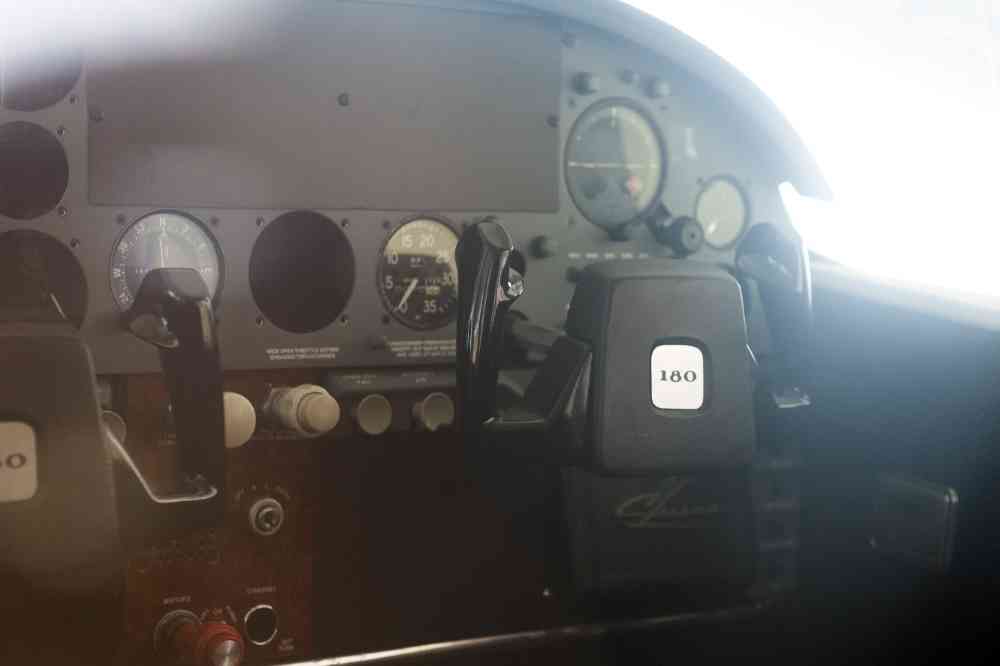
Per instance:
{"type": "Point", "coordinates": [490, 279]}
{"type": "Point", "coordinates": [173, 311]}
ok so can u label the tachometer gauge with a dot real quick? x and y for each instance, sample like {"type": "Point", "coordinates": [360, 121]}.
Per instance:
{"type": "Point", "coordinates": [615, 164]}
{"type": "Point", "coordinates": [723, 212]}
{"type": "Point", "coordinates": [417, 274]}
{"type": "Point", "coordinates": [162, 240]}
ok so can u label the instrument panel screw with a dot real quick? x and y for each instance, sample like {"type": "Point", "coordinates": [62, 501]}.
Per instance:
{"type": "Point", "coordinates": [345, 320]}
{"type": "Point", "coordinates": [553, 121]}
{"type": "Point", "coordinates": [63, 211]}
{"type": "Point", "coordinates": [74, 243]}
{"type": "Point", "coordinates": [120, 218]}
{"type": "Point", "coordinates": [345, 223]}
{"type": "Point", "coordinates": [214, 221]}
{"type": "Point", "coordinates": [547, 593]}
{"type": "Point", "coordinates": [259, 321]}
{"type": "Point", "coordinates": [386, 224]}
{"type": "Point", "coordinates": [260, 221]}
{"type": "Point", "coordinates": [73, 98]}
{"type": "Point", "coordinates": [61, 131]}
{"type": "Point", "coordinates": [344, 99]}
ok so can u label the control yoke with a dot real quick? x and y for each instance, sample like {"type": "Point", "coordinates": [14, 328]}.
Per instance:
{"type": "Point", "coordinates": [173, 311]}
{"type": "Point", "coordinates": [647, 399]}
{"type": "Point", "coordinates": [688, 315]}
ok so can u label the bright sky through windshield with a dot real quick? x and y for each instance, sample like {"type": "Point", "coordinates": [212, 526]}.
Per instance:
{"type": "Point", "coordinates": [899, 103]}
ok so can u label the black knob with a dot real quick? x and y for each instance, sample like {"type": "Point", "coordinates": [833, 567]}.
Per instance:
{"type": "Point", "coordinates": [543, 247]}
{"type": "Point", "coordinates": [684, 235]}
{"type": "Point", "coordinates": [586, 83]}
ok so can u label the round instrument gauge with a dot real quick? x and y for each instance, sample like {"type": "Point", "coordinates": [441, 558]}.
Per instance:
{"type": "Point", "coordinates": [723, 212]}
{"type": "Point", "coordinates": [417, 274]}
{"type": "Point", "coordinates": [615, 163]}
{"type": "Point", "coordinates": [163, 240]}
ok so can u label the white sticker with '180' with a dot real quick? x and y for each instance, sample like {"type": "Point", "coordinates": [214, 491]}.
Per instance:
{"type": "Point", "coordinates": [18, 462]}
{"type": "Point", "coordinates": [678, 377]}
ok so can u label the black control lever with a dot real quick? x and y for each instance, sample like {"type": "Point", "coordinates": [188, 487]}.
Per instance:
{"type": "Point", "coordinates": [491, 278]}
{"type": "Point", "coordinates": [173, 311]}
{"type": "Point", "coordinates": [780, 268]}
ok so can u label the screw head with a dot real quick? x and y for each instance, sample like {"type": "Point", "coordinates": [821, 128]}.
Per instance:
{"type": "Point", "coordinates": [344, 99]}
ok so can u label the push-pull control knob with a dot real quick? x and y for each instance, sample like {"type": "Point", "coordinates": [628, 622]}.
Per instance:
{"type": "Point", "coordinates": [307, 409]}
{"type": "Point", "coordinates": [373, 414]}
{"type": "Point", "coordinates": [182, 640]}
{"type": "Point", "coordinates": [241, 419]}
{"type": "Point", "coordinates": [435, 411]}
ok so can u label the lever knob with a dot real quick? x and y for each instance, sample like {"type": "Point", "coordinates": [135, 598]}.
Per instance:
{"type": "Point", "coordinates": [307, 409]}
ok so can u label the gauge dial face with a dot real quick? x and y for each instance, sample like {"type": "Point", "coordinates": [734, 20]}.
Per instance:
{"type": "Point", "coordinates": [614, 163]}
{"type": "Point", "coordinates": [162, 240]}
{"type": "Point", "coordinates": [417, 274]}
{"type": "Point", "coordinates": [723, 212]}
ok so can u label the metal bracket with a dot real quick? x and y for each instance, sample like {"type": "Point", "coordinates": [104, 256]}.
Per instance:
{"type": "Point", "coordinates": [200, 490]}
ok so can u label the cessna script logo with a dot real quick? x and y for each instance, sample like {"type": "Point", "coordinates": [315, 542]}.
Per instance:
{"type": "Point", "coordinates": [663, 510]}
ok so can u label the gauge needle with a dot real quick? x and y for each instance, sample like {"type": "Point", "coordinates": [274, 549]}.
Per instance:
{"type": "Point", "coordinates": [409, 291]}
{"type": "Point", "coordinates": [163, 252]}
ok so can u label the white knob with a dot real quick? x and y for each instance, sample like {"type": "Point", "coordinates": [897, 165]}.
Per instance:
{"type": "Point", "coordinates": [241, 419]}
{"type": "Point", "coordinates": [435, 411]}
{"type": "Point", "coordinates": [307, 409]}
{"type": "Point", "coordinates": [374, 414]}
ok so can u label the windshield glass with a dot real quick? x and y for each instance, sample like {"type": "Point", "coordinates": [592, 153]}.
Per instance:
{"type": "Point", "coordinates": [898, 102]}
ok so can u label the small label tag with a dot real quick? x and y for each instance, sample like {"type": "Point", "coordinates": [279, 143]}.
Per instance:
{"type": "Point", "coordinates": [18, 462]}
{"type": "Point", "coordinates": [678, 377]}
